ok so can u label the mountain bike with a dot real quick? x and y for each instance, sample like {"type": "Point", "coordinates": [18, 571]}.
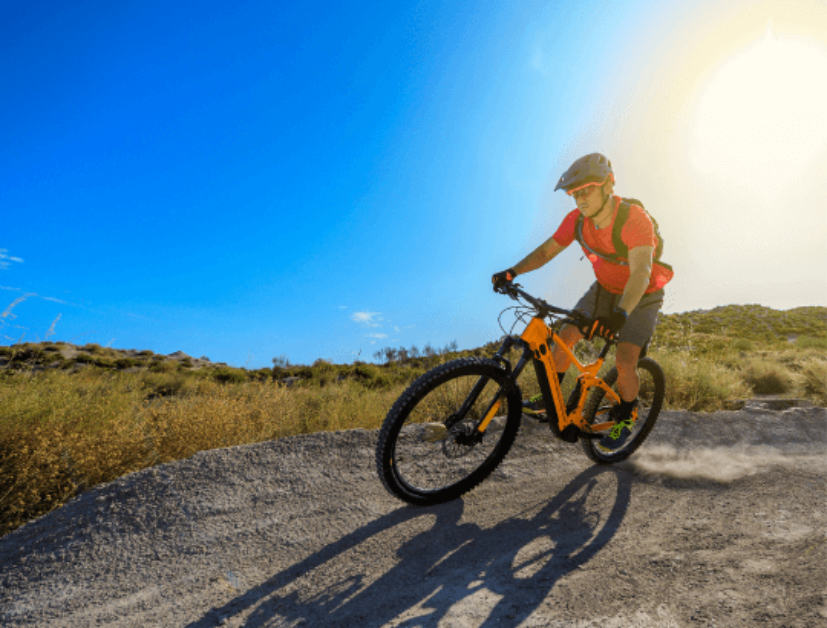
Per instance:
{"type": "Point", "coordinates": [453, 425]}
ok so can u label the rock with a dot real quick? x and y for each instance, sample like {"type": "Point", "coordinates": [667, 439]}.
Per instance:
{"type": "Point", "coordinates": [770, 402]}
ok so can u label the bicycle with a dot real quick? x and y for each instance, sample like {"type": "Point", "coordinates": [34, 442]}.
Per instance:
{"type": "Point", "coordinates": [453, 425]}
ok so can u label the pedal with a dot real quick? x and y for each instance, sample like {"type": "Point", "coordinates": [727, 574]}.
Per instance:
{"type": "Point", "coordinates": [540, 417]}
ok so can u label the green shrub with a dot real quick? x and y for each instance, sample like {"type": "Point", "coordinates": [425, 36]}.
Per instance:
{"type": "Point", "coordinates": [323, 373]}
{"type": "Point", "coordinates": [767, 378]}
{"type": "Point", "coordinates": [365, 372]}
{"type": "Point", "coordinates": [260, 375]}
{"type": "Point", "coordinates": [124, 363]}
{"type": "Point", "coordinates": [815, 380]}
{"type": "Point", "coordinates": [160, 384]}
{"type": "Point", "coordinates": [163, 366]}
{"type": "Point", "coordinates": [27, 354]}
{"type": "Point", "coordinates": [742, 344]}
{"type": "Point", "coordinates": [229, 375]}
{"type": "Point", "coordinates": [811, 342]}
{"type": "Point", "coordinates": [699, 385]}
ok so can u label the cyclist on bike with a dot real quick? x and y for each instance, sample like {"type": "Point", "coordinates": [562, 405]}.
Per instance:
{"type": "Point", "coordinates": [625, 300]}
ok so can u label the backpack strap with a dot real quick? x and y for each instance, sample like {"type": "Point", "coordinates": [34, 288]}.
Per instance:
{"type": "Point", "coordinates": [621, 255]}
{"type": "Point", "coordinates": [622, 217]}
{"type": "Point", "coordinates": [609, 257]}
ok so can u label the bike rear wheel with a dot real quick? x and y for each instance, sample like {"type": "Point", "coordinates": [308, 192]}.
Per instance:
{"type": "Point", "coordinates": [599, 406]}
{"type": "Point", "coordinates": [427, 452]}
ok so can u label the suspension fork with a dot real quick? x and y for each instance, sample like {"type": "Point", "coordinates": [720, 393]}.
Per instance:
{"type": "Point", "coordinates": [496, 401]}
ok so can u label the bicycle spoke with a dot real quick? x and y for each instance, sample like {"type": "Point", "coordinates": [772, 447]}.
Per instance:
{"type": "Point", "coordinates": [428, 449]}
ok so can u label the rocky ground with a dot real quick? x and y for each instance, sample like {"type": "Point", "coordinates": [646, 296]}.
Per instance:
{"type": "Point", "coordinates": [719, 520]}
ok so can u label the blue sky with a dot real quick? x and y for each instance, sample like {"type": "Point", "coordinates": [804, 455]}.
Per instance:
{"type": "Point", "coordinates": [321, 181]}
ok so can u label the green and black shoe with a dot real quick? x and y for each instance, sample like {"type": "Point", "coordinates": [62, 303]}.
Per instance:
{"type": "Point", "coordinates": [534, 407]}
{"type": "Point", "coordinates": [623, 427]}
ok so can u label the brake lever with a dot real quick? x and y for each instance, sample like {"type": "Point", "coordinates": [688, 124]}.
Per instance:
{"type": "Point", "coordinates": [506, 289]}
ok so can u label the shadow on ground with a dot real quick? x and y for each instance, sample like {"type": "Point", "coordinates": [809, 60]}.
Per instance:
{"type": "Point", "coordinates": [504, 571]}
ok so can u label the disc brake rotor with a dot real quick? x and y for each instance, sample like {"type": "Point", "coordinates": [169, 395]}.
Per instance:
{"type": "Point", "coordinates": [461, 440]}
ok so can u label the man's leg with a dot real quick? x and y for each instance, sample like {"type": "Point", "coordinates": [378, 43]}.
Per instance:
{"type": "Point", "coordinates": [570, 335]}
{"type": "Point", "coordinates": [628, 382]}
{"type": "Point", "coordinates": [626, 361]}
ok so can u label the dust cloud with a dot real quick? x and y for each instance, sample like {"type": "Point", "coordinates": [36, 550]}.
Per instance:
{"type": "Point", "coordinates": [721, 465]}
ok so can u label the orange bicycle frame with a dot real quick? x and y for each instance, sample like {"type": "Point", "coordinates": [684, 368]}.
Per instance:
{"type": "Point", "coordinates": [539, 338]}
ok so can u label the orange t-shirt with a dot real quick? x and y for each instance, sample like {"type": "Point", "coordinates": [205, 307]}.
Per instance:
{"type": "Point", "coordinates": [638, 231]}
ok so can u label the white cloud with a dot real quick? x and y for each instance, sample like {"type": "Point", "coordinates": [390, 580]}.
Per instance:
{"type": "Point", "coordinates": [371, 319]}
{"type": "Point", "coordinates": [376, 336]}
{"type": "Point", "coordinates": [5, 260]}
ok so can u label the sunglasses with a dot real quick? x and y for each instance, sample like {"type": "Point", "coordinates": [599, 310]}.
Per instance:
{"type": "Point", "coordinates": [584, 191]}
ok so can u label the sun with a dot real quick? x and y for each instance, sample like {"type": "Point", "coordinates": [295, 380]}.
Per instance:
{"type": "Point", "coordinates": [761, 118]}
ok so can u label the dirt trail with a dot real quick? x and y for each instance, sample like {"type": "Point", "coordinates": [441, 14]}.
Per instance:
{"type": "Point", "coordinates": [719, 520]}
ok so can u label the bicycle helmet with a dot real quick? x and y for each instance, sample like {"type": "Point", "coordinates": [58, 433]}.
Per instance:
{"type": "Point", "coordinates": [593, 169]}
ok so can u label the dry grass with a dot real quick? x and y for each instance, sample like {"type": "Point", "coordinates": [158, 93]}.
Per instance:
{"type": "Point", "coordinates": [697, 384]}
{"type": "Point", "coordinates": [61, 433]}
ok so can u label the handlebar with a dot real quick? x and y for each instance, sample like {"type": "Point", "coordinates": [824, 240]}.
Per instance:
{"type": "Point", "coordinates": [514, 290]}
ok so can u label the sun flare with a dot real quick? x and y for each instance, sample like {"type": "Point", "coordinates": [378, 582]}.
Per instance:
{"type": "Point", "coordinates": [760, 118]}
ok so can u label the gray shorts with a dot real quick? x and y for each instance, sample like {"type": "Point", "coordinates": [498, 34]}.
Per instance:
{"type": "Point", "coordinates": [641, 324]}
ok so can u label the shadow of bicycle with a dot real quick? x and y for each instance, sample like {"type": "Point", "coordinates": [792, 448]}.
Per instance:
{"type": "Point", "coordinates": [444, 569]}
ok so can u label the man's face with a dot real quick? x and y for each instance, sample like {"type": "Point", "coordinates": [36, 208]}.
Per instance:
{"type": "Point", "coordinates": [589, 200]}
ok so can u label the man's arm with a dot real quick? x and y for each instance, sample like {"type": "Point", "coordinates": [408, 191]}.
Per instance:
{"type": "Point", "coordinates": [640, 272]}
{"type": "Point", "coordinates": [542, 255]}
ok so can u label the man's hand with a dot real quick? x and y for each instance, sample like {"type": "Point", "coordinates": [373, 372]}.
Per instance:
{"type": "Point", "coordinates": [608, 326]}
{"type": "Point", "coordinates": [500, 279]}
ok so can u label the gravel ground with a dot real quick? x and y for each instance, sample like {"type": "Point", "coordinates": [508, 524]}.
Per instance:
{"type": "Point", "coordinates": [719, 520]}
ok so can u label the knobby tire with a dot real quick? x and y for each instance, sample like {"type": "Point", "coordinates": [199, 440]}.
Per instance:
{"type": "Point", "coordinates": [652, 393]}
{"type": "Point", "coordinates": [408, 465]}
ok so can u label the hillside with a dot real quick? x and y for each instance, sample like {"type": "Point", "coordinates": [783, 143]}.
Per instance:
{"type": "Point", "coordinates": [75, 416]}
{"type": "Point", "coordinates": [703, 330]}
{"type": "Point", "coordinates": [754, 322]}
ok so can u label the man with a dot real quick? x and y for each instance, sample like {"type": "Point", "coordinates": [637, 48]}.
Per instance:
{"type": "Point", "coordinates": [625, 300]}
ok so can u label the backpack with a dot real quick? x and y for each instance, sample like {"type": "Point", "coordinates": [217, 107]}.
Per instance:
{"type": "Point", "coordinates": [621, 254]}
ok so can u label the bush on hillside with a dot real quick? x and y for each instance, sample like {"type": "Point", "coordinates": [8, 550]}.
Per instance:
{"type": "Point", "coordinates": [742, 344]}
{"type": "Point", "coordinates": [815, 380]}
{"type": "Point", "coordinates": [699, 385]}
{"type": "Point", "coordinates": [260, 375]}
{"type": "Point", "coordinates": [229, 375]}
{"type": "Point", "coordinates": [125, 363]}
{"type": "Point", "coordinates": [767, 378]}
{"type": "Point", "coordinates": [807, 342]}
{"type": "Point", "coordinates": [163, 366]}
{"type": "Point", "coordinates": [160, 384]}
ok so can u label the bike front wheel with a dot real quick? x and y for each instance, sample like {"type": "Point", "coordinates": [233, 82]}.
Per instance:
{"type": "Point", "coordinates": [598, 408]}
{"type": "Point", "coordinates": [429, 449]}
